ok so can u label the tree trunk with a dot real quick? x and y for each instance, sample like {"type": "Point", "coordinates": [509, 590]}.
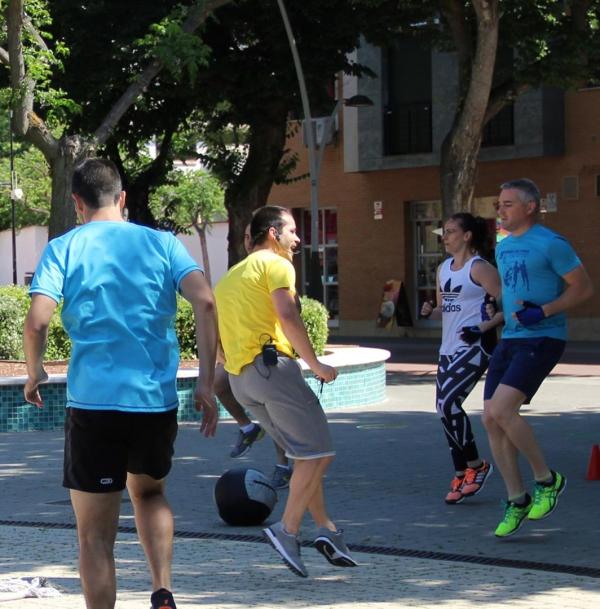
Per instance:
{"type": "Point", "coordinates": [201, 230]}
{"type": "Point", "coordinates": [139, 186]}
{"type": "Point", "coordinates": [252, 187]}
{"type": "Point", "coordinates": [458, 169]}
{"type": "Point", "coordinates": [72, 150]}
{"type": "Point", "coordinates": [458, 166]}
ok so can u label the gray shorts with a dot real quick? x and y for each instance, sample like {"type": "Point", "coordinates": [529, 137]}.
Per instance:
{"type": "Point", "coordinates": [282, 402]}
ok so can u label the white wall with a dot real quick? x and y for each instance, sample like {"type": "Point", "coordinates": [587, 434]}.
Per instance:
{"type": "Point", "coordinates": [30, 244]}
{"type": "Point", "coordinates": [32, 240]}
{"type": "Point", "coordinates": [217, 249]}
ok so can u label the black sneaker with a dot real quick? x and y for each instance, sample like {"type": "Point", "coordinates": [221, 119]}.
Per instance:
{"type": "Point", "coordinates": [162, 599]}
{"type": "Point", "coordinates": [246, 440]}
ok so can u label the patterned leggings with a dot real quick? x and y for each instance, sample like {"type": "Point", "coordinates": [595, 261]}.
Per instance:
{"type": "Point", "coordinates": [456, 376]}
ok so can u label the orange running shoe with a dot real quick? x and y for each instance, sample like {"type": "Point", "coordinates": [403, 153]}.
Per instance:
{"type": "Point", "coordinates": [475, 479]}
{"type": "Point", "coordinates": [455, 495]}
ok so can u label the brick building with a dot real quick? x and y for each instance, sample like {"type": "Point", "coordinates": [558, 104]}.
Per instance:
{"type": "Point", "coordinates": [379, 187]}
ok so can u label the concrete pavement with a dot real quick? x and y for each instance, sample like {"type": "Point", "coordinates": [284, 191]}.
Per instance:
{"type": "Point", "coordinates": [385, 489]}
{"type": "Point", "coordinates": [227, 574]}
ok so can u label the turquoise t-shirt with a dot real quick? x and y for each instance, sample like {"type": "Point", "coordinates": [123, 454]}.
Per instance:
{"type": "Point", "coordinates": [532, 267]}
{"type": "Point", "coordinates": [119, 283]}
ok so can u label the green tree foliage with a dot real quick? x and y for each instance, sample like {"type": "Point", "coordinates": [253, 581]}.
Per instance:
{"type": "Point", "coordinates": [35, 37]}
{"type": "Point", "coordinates": [32, 177]}
{"type": "Point", "coordinates": [249, 90]}
{"type": "Point", "coordinates": [236, 98]}
{"type": "Point", "coordinates": [189, 200]}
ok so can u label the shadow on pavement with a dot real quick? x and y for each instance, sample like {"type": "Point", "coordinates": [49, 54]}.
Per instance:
{"type": "Point", "coordinates": [385, 488]}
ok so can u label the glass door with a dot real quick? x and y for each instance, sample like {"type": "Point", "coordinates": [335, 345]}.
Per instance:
{"type": "Point", "coordinates": [426, 216]}
{"type": "Point", "coordinates": [328, 256]}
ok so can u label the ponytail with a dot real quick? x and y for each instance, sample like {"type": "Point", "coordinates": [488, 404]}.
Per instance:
{"type": "Point", "coordinates": [481, 240]}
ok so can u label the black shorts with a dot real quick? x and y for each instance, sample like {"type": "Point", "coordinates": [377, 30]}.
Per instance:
{"type": "Point", "coordinates": [101, 446]}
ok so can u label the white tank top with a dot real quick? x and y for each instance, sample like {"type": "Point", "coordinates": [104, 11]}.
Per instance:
{"type": "Point", "coordinates": [461, 303]}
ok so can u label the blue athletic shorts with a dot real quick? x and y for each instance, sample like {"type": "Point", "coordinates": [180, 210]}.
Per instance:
{"type": "Point", "coordinates": [522, 363]}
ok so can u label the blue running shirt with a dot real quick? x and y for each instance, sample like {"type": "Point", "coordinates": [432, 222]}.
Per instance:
{"type": "Point", "coordinates": [531, 267]}
{"type": "Point", "coordinates": [119, 283]}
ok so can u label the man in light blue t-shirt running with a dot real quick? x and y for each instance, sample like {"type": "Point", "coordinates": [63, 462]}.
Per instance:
{"type": "Point", "coordinates": [118, 283]}
{"type": "Point", "coordinates": [541, 278]}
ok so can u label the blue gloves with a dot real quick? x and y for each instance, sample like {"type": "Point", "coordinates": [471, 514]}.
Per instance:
{"type": "Point", "coordinates": [530, 314]}
{"type": "Point", "coordinates": [470, 334]}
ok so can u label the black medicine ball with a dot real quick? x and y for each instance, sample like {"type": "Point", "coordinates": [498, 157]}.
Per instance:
{"type": "Point", "coordinates": [244, 497]}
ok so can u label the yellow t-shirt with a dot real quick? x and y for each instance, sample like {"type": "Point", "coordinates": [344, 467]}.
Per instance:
{"type": "Point", "coordinates": [247, 318]}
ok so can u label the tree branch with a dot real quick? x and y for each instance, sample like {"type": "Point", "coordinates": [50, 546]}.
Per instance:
{"type": "Point", "coordinates": [503, 95]}
{"type": "Point", "coordinates": [25, 122]}
{"type": "Point", "coordinates": [4, 57]}
{"type": "Point", "coordinates": [19, 82]}
{"type": "Point", "coordinates": [34, 33]}
{"type": "Point", "coordinates": [197, 15]}
{"type": "Point", "coordinates": [578, 10]}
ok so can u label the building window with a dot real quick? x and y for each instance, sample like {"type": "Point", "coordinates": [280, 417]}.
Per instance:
{"type": "Point", "coordinates": [407, 109]}
{"type": "Point", "coordinates": [500, 131]}
{"type": "Point", "coordinates": [328, 256]}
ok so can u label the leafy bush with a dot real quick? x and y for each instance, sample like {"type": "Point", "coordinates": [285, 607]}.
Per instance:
{"type": "Point", "coordinates": [14, 304]}
{"type": "Point", "coordinates": [185, 329]}
{"type": "Point", "coordinates": [315, 316]}
{"type": "Point", "coordinates": [12, 316]}
{"type": "Point", "coordinates": [59, 343]}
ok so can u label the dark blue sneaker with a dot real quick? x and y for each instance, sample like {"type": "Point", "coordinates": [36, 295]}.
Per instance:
{"type": "Point", "coordinates": [246, 440]}
{"type": "Point", "coordinates": [162, 599]}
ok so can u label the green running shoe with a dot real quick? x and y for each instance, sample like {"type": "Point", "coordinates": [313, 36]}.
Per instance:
{"type": "Point", "coordinates": [545, 497]}
{"type": "Point", "coordinates": [514, 515]}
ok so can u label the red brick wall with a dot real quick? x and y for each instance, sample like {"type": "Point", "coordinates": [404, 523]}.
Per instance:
{"type": "Point", "coordinates": [372, 251]}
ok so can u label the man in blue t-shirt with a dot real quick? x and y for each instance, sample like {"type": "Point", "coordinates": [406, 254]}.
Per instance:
{"type": "Point", "coordinates": [118, 283]}
{"type": "Point", "coordinates": [541, 278]}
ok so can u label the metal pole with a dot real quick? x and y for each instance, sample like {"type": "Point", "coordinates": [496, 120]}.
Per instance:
{"type": "Point", "coordinates": [13, 185]}
{"type": "Point", "coordinates": [315, 282]}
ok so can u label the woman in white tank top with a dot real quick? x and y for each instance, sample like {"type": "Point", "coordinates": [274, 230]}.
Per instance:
{"type": "Point", "coordinates": [468, 337]}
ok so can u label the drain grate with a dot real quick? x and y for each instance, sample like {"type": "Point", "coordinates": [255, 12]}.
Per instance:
{"type": "Point", "coordinates": [68, 502]}
{"type": "Point", "coordinates": [381, 550]}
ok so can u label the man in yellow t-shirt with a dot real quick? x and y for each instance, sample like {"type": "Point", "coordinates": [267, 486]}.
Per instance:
{"type": "Point", "coordinates": [249, 432]}
{"type": "Point", "coordinates": [261, 330]}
